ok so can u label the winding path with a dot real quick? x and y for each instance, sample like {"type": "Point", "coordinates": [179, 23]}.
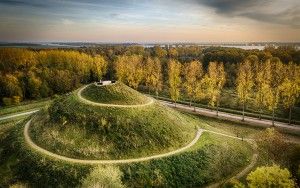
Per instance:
{"type": "Point", "coordinates": [151, 101]}
{"type": "Point", "coordinates": [90, 162]}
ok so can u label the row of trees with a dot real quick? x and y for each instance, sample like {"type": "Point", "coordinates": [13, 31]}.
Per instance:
{"type": "Point", "coordinates": [268, 83]}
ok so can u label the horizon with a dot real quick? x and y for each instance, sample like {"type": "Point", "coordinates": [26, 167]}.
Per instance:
{"type": "Point", "coordinates": [129, 21]}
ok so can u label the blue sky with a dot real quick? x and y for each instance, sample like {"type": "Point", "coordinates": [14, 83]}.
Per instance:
{"type": "Point", "coordinates": [149, 21]}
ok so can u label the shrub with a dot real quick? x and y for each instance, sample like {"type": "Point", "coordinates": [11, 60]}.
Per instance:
{"type": "Point", "coordinates": [105, 177]}
{"type": "Point", "coordinates": [272, 176]}
{"type": "Point", "coordinates": [7, 101]}
{"type": "Point", "coordinates": [16, 99]}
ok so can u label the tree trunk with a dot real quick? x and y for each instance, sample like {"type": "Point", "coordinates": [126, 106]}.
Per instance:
{"type": "Point", "coordinates": [273, 117]}
{"type": "Point", "coordinates": [260, 112]}
{"type": "Point", "coordinates": [190, 103]}
{"type": "Point", "coordinates": [156, 94]}
{"type": "Point", "coordinates": [290, 115]}
{"type": "Point", "coordinates": [175, 104]}
{"type": "Point", "coordinates": [217, 109]}
{"type": "Point", "coordinates": [243, 119]}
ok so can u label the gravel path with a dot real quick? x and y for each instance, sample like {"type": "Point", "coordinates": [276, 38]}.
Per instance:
{"type": "Point", "coordinates": [18, 114]}
{"type": "Point", "coordinates": [121, 161]}
{"type": "Point", "coordinates": [151, 101]}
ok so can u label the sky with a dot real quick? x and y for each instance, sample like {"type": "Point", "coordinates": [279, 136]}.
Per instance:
{"type": "Point", "coordinates": [146, 21]}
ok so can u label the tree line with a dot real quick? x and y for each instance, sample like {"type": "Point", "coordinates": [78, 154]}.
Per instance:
{"type": "Point", "coordinates": [269, 83]}
{"type": "Point", "coordinates": [26, 74]}
{"type": "Point", "coordinates": [197, 72]}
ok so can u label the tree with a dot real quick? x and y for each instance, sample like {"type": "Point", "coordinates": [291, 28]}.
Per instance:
{"type": "Point", "coordinates": [104, 177]}
{"type": "Point", "coordinates": [159, 52]}
{"type": "Point", "coordinates": [274, 77]}
{"type": "Point", "coordinates": [245, 83]}
{"type": "Point", "coordinates": [153, 75]}
{"type": "Point", "coordinates": [173, 53]}
{"type": "Point", "coordinates": [260, 85]}
{"type": "Point", "coordinates": [99, 67]}
{"type": "Point", "coordinates": [290, 87]}
{"type": "Point", "coordinates": [174, 69]}
{"type": "Point", "coordinates": [34, 85]}
{"type": "Point", "coordinates": [10, 86]}
{"type": "Point", "coordinates": [129, 69]}
{"type": "Point", "coordinates": [193, 75]}
{"type": "Point", "coordinates": [214, 81]}
{"type": "Point", "coordinates": [270, 176]}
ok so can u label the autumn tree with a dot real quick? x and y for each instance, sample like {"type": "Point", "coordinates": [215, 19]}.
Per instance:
{"type": "Point", "coordinates": [214, 81]}
{"type": "Point", "coordinates": [174, 69]}
{"type": "Point", "coordinates": [129, 69]}
{"type": "Point", "coordinates": [245, 83]}
{"type": "Point", "coordinates": [270, 176]}
{"type": "Point", "coordinates": [153, 75]}
{"type": "Point", "coordinates": [98, 67]}
{"type": "Point", "coordinates": [159, 51]}
{"type": "Point", "coordinates": [290, 87]}
{"type": "Point", "coordinates": [260, 85]}
{"type": "Point", "coordinates": [274, 77]}
{"type": "Point", "coordinates": [193, 78]}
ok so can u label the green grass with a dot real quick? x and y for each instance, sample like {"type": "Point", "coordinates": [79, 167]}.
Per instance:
{"type": "Point", "coordinates": [23, 107]}
{"type": "Point", "coordinates": [214, 158]}
{"type": "Point", "coordinates": [78, 130]}
{"type": "Point", "coordinates": [117, 93]}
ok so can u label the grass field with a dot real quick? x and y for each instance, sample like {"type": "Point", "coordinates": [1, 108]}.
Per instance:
{"type": "Point", "coordinates": [117, 93]}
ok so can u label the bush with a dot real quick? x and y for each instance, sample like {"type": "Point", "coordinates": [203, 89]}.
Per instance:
{"type": "Point", "coordinates": [104, 177]}
{"type": "Point", "coordinates": [7, 101]}
{"type": "Point", "coordinates": [16, 99]}
{"type": "Point", "coordinates": [272, 176]}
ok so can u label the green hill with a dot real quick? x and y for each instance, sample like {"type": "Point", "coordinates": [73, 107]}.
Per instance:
{"type": "Point", "coordinates": [117, 93]}
{"type": "Point", "coordinates": [75, 129]}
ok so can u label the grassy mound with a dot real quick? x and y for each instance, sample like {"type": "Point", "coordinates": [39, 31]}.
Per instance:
{"type": "Point", "coordinates": [117, 93]}
{"type": "Point", "coordinates": [78, 130]}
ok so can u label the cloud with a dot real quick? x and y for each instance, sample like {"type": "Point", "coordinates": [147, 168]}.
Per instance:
{"type": "Point", "coordinates": [26, 3]}
{"type": "Point", "coordinates": [67, 21]}
{"type": "Point", "coordinates": [259, 10]}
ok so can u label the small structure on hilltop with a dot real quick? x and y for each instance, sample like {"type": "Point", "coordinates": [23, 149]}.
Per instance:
{"type": "Point", "coordinates": [105, 82]}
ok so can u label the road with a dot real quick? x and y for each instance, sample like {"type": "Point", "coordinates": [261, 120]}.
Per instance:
{"type": "Point", "coordinates": [91, 162]}
{"type": "Point", "coordinates": [237, 118]}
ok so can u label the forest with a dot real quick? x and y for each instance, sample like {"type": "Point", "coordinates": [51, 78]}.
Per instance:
{"type": "Point", "coordinates": [269, 79]}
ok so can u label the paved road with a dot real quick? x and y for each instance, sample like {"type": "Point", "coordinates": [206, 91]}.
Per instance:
{"type": "Point", "coordinates": [234, 117]}
{"type": "Point", "coordinates": [151, 101]}
{"type": "Point", "coordinates": [121, 161]}
{"type": "Point", "coordinates": [18, 114]}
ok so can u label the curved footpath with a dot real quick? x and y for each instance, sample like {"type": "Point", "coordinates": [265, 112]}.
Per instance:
{"type": "Point", "coordinates": [90, 162]}
{"type": "Point", "coordinates": [151, 101]}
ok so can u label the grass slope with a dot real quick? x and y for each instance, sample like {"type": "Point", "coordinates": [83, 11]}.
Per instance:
{"type": "Point", "coordinates": [77, 130]}
{"type": "Point", "coordinates": [117, 93]}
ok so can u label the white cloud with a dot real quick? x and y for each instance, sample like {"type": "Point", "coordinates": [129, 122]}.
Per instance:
{"type": "Point", "coordinates": [67, 21]}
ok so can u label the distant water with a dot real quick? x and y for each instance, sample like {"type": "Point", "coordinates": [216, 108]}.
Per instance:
{"type": "Point", "coordinates": [246, 47]}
